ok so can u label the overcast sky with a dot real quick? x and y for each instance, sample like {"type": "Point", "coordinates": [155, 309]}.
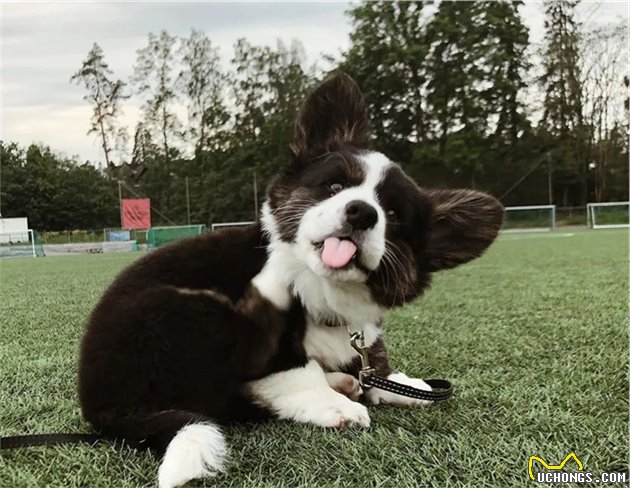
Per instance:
{"type": "Point", "coordinates": [44, 43]}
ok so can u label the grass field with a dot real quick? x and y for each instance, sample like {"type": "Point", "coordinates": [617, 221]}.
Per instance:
{"type": "Point", "coordinates": [534, 335]}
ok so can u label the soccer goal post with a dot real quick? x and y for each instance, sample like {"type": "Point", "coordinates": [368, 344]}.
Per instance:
{"type": "Point", "coordinates": [158, 236]}
{"type": "Point", "coordinates": [530, 218]}
{"type": "Point", "coordinates": [226, 225]}
{"type": "Point", "coordinates": [608, 215]}
{"type": "Point", "coordinates": [21, 243]}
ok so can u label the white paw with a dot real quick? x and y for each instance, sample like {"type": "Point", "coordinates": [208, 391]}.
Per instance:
{"type": "Point", "coordinates": [336, 411]}
{"type": "Point", "coordinates": [345, 384]}
{"type": "Point", "coordinates": [303, 395]}
{"type": "Point", "coordinates": [376, 396]}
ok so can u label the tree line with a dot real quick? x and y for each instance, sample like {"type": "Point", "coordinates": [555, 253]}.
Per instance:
{"type": "Point", "coordinates": [456, 93]}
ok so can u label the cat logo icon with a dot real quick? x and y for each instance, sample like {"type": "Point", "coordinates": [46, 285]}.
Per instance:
{"type": "Point", "coordinates": [557, 467]}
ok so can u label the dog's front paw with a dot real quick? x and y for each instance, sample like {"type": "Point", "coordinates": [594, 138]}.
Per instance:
{"type": "Point", "coordinates": [345, 384]}
{"type": "Point", "coordinates": [376, 396]}
{"type": "Point", "coordinates": [338, 412]}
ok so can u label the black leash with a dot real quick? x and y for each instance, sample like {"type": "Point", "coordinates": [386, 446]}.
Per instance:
{"type": "Point", "coordinates": [34, 440]}
{"type": "Point", "coordinates": [442, 389]}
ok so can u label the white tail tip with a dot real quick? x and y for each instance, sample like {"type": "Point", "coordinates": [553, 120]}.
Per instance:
{"type": "Point", "coordinates": [197, 451]}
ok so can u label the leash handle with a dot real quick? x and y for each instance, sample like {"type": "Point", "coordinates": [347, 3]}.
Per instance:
{"type": "Point", "coordinates": [441, 389]}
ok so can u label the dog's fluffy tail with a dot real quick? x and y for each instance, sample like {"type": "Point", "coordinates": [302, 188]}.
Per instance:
{"type": "Point", "coordinates": [197, 451]}
{"type": "Point", "coordinates": [193, 446]}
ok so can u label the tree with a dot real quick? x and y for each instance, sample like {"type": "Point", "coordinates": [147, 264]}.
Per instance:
{"type": "Point", "coordinates": [443, 90]}
{"type": "Point", "coordinates": [144, 155]}
{"type": "Point", "coordinates": [504, 49]}
{"type": "Point", "coordinates": [268, 87]}
{"type": "Point", "coordinates": [476, 73]}
{"type": "Point", "coordinates": [563, 106]}
{"type": "Point", "coordinates": [204, 85]}
{"type": "Point", "coordinates": [454, 69]}
{"type": "Point", "coordinates": [603, 64]}
{"type": "Point", "coordinates": [105, 95]}
{"type": "Point", "coordinates": [54, 192]}
{"type": "Point", "coordinates": [144, 150]}
{"type": "Point", "coordinates": [387, 58]}
{"type": "Point", "coordinates": [154, 79]}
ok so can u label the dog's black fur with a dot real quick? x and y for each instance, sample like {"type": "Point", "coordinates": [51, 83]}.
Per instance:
{"type": "Point", "coordinates": [154, 359]}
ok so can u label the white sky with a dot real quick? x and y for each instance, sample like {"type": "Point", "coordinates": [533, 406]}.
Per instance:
{"type": "Point", "coordinates": [43, 44]}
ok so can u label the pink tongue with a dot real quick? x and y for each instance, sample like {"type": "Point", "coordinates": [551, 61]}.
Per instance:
{"type": "Point", "coordinates": [337, 253]}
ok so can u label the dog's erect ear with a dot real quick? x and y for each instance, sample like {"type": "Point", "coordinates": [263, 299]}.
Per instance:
{"type": "Point", "coordinates": [464, 224]}
{"type": "Point", "coordinates": [332, 116]}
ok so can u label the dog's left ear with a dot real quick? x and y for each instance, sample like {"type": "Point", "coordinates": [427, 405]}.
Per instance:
{"type": "Point", "coordinates": [463, 224]}
{"type": "Point", "coordinates": [332, 116]}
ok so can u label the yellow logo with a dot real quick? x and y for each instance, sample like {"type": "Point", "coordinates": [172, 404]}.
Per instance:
{"type": "Point", "coordinates": [558, 467]}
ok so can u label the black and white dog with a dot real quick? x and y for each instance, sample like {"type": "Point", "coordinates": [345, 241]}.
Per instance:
{"type": "Point", "coordinates": [254, 322]}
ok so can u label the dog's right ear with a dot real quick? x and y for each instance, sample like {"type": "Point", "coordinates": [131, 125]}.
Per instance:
{"type": "Point", "coordinates": [334, 115]}
{"type": "Point", "coordinates": [464, 224]}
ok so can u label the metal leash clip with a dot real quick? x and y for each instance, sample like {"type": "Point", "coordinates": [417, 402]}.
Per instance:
{"type": "Point", "coordinates": [357, 341]}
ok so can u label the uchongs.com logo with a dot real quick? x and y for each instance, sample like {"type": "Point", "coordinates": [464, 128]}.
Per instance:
{"type": "Point", "coordinates": [554, 473]}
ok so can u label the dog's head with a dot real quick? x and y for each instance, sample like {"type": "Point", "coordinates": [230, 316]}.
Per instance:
{"type": "Point", "coordinates": [352, 215]}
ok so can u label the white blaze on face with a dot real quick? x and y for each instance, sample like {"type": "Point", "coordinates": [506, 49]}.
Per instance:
{"type": "Point", "coordinates": [329, 217]}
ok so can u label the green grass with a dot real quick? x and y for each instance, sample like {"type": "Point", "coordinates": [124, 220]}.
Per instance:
{"type": "Point", "coordinates": [534, 335]}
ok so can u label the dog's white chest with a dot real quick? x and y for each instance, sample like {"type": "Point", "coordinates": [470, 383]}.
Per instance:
{"type": "Point", "coordinates": [345, 303]}
{"type": "Point", "coordinates": [330, 346]}
{"type": "Point", "coordinates": [349, 305]}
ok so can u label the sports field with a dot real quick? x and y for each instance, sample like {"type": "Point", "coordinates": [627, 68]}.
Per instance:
{"type": "Point", "coordinates": [534, 335]}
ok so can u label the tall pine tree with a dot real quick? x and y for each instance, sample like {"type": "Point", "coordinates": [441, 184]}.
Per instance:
{"type": "Point", "coordinates": [387, 58]}
{"type": "Point", "coordinates": [562, 120]}
{"type": "Point", "coordinates": [476, 72]}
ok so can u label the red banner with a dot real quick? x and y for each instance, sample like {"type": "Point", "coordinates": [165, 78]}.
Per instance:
{"type": "Point", "coordinates": [136, 213]}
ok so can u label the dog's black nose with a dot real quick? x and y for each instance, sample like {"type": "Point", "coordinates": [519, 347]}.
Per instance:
{"type": "Point", "coordinates": [361, 215]}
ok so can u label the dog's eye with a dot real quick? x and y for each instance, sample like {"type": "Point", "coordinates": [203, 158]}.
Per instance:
{"type": "Point", "coordinates": [392, 216]}
{"type": "Point", "coordinates": [335, 188]}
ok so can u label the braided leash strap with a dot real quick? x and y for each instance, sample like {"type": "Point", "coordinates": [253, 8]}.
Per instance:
{"type": "Point", "coordinates": [34, 440]}
{"type": "Point", "coordinates": [442, 389]}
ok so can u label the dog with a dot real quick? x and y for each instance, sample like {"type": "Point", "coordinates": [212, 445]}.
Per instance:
{"type": "Point", "coordinates": [254, 322]}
